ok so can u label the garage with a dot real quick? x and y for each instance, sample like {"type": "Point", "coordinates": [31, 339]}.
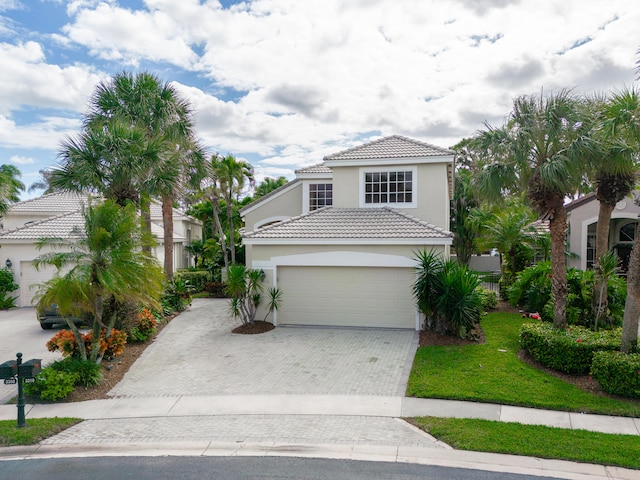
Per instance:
{"type": "Point", "coordinates": [347, 296]}
{"type": "Point", "coordinates": [30, 278]}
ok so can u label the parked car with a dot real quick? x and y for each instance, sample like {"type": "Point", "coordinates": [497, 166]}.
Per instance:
{"type": "Point", "coordinates": [50, 316]}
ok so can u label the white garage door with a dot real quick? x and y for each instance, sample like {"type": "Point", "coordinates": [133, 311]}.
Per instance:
{"type": "Point", "coordinates": [29, 280]}
{"type": "Point", "coordinates": [347, 296]}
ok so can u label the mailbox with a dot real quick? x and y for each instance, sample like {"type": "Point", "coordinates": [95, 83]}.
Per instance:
{"type": "Point", "coordinates": [30, 368]}
{"type": "Point", "coordinates": [8, 369]}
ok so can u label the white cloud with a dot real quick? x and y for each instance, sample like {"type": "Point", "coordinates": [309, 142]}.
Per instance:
{"type": "Point", "coordinates": [21, 160]}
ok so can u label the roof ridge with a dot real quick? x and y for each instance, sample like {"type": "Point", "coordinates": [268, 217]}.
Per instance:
{"type": "Point", "coordinates": [46, 195]}
{"type": "Point", "coordinates": [419, 220]}
{"type": "Point", "coordinates": [373, 143]}
{"type": "Point", "coordinates": [289, 220]}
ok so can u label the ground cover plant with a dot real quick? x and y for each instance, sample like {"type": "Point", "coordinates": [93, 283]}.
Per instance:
{"type": "Point", "coordinates": [534, 441]}
{"type": "Point", "coordinates": [492, 372]}
{"type": "Point", "coordinates": [37, 429]}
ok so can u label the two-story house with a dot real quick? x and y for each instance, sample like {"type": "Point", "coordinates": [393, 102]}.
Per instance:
{"type": "Point", "coordinates": [60, 215]}
{"type": "Point", "coordinates": [340, 240]}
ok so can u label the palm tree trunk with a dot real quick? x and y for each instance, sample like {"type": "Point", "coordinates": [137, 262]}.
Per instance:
{"type": "Point", "coordinates": [630, 332]}
{"type": "Point", "coordinates": [97, 327]}
{"type": "Point", "coordinates": [167, 222]}
{"type": "Point", "coordinates": [232, 233]}
{"type": "Point", "coordinates": [557, 228]}
{"type": "Point", "coordinates": [145, 221]}
{"type": "Point", "coordinates": [223, 242]}
{"type": "Point", "coordinates": [602, 247]}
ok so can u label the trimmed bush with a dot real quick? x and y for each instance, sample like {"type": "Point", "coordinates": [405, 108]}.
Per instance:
{"type": "Point", "coordinates": [617, 372]}
{"type": "Point", "coordinates": [197, 279]}
{"type": "Point", "coordinates": [52, 384]}
{"type": "Point", "coordinates": [569, 350]}
{"type": "Point", "coordinates": [489, 299]}
{"type": "Point", "coordinates": [215, 289]}
{"type": "Point", "coordinates": [89, 373]}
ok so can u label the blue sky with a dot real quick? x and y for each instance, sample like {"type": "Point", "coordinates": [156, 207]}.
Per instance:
{"type": "Point", "coordinates": [282, 83]}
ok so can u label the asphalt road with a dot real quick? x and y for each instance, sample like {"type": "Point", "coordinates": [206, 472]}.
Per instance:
{"type": "Point", "coordinates": [21, 332]}
{"type": "Point", "coordinates": [226, 468]}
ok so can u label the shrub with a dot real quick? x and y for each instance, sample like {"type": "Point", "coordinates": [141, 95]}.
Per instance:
{"type": "Point", "coordinates": [89, 373]}
{"type": "Point", "coordinates": [569, 350]}
{"type": "Point", "coordinates": [215, 289]}
{"type": "Point", "coordinates": [489, 298]}
{"type": "Point", "coordinates": [197, 279]}
{"type": "Point", "coordinates": [66, 343]}
{"type": "Point", "coordinates": [532, 291]}
{"type": "Point", "coordinates": [177, 297]}
{"type": "Point", "coordinates": [447, 294]}
{"type": "Point", "coordinates": [52, 384]}
{"type": "Point", "coordinates": [7, 285]}
{"type": "Point", "coordinates": [618, 373]}
{"type": "Point", "coordinates": [145, 326]}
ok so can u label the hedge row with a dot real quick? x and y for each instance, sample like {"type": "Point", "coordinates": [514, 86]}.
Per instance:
{"type": "Point", "coordinates": [197, 278]}
{"type": "Point", "coordinates": [570, 350]}
{"type": "Point", "coordinates": [617, 373]}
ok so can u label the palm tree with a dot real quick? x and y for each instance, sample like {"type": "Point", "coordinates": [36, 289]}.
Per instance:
{"type": "Point", "coordinates": [463, 207]}
{"type": "Point", "coordinates": [44, 183]}
{"type": "Point", "coordinates": [148, 151]}
{"type": "Point", "coordinates": [231, 176]}
{"type": "Point", "coordinates": [538, 151]}
{"type": "Point", "coordinates": [10, 186]}
{"type": "Point", "coordinates": [103, 261]}
{"type": "Point", "coordinates": [268, 185]}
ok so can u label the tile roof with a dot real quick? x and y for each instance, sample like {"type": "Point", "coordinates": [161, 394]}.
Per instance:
{"type": "Point", "coordinates": [395, 146]}
{"type": "Point", "coordinates": [67, 225]}
{"type": "Point", "coordinates": [351, 223]}
{"type": "Point", "coordinates": [317, 168]}
{"type": "Point", "coordinates": [57, 202]}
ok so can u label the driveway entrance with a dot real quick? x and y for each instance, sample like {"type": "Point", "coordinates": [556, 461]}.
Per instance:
{"type": "Point", "coordinates": [196, 354]}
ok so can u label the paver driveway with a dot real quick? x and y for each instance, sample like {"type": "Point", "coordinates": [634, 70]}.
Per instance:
{"type": "Point", "coordinates": [196, 354]}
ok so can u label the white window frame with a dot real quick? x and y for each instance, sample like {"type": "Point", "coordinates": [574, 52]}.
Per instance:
{"type": "Point", "coordinates": [309, 199]}
{"type": "Point", "coordinates": [401, 168]}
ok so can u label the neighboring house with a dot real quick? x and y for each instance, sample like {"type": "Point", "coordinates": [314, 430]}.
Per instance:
{"type": "Point", "coordinates": [60, 215]}
{"type": "Point", "coordinates": [582, 218]}
{"type": "Point", "coordinates": [340, 240]}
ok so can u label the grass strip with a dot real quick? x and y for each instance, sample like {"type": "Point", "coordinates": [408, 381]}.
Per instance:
{"type": "Point", "coordinates": [534, 441]}
{"type": "Point", "coordinates": [493, 373]}
{"type": "Point", "coordinates": [37, 429]}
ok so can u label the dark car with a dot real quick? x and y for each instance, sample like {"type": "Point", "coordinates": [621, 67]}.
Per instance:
{"type": "Point", "coordinates": [50, 316]}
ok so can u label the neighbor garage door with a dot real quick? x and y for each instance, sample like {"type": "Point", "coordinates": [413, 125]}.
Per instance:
{"type": "Point", "coordinates": [29, 280]}
{"type": "Point", "coordinates": [347, 296]}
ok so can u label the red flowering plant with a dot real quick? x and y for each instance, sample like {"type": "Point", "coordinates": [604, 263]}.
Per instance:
{"type": "Point", "coordinates": [145, 326]}
{"type": "Point", "coordinates": [109, 347]}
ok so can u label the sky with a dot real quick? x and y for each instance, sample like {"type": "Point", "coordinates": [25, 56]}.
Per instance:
{"type": "Point", "coordinates": [282, 83]}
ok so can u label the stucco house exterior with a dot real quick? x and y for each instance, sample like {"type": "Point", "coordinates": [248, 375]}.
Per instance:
{"type": "Point", "coordinates": [340, 239]}
{"type": "Point", "coordinates": [60, 215]}
{"type": "Point", "coordinates": [582, 219]}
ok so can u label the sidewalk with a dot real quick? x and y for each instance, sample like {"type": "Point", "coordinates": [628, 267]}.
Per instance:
{"type": "Point", "coordinates": [322, 426]}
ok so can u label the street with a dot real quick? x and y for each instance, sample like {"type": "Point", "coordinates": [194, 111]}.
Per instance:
{"type": "Point", "coordinates": [227, 468]}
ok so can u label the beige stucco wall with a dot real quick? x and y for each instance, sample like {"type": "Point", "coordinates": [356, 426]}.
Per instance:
{"type": "Point", "coordinates": [431, 190]}
{"type": "Point", "coordinates": [285, 205]}
{"type": "Point", "coordinates": [14, 220]}
{"type": "Point", "coordinates": [579, 219]}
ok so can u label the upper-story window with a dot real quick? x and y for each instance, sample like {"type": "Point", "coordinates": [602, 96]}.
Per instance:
{"type": "Point", "coordinates": [388, 187]}
{"type": "Point", "coordinates": [320, 195]}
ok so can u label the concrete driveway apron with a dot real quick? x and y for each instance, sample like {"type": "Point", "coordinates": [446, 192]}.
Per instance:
{"type": "Point", "coordinates": [196, 354]}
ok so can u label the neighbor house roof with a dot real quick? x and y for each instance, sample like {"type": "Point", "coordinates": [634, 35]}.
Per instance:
{"type": "Point", "coordinates": [395, 146]}
{"type": "Point", "coordinates": [57, 202]}
{"type": "Point", "coordinates": [317, 168]}
{"type": "Point", "coordinates": [67, 225]}
{"type": "Point", "coordinates": [352, 223]}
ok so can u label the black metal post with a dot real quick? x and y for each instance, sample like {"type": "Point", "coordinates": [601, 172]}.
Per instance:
{"type": "Point", "coordinates": [21, 419]}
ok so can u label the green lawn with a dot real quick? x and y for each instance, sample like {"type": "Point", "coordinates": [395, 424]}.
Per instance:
{"type": "Point", "coordinates": [36, 429]}
{"type": "Point", "coordinates": [535, 441]}
{"type": "Point", "coordinates": [491, 372]}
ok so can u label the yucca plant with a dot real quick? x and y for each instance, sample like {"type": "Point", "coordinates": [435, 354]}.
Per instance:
{"type": "Point", "coordinates": [245, 288]}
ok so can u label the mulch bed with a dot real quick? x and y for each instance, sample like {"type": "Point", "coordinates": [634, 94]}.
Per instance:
{"type": "Point", "coordinates": [253, 328]}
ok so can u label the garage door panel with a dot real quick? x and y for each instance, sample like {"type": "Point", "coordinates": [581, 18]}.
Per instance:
{"type": "Point", "coordinates": [348, 296]}
{"type": "Point", "coordinates": [30, 278]}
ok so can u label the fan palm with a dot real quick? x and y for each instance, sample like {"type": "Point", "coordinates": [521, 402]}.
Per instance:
{"type": "Point", "coordinates": [538, 151]}
{"type": "Point", "coordinates": [10, 186]}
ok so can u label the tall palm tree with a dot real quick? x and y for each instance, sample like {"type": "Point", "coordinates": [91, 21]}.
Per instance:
{"type": "Point", "coordinates": [10, 186]}
{"type": "Point", "coordinates": [622, 125]}
{"type": "Point", "coordinates": [154, 163]}
{"type": "Point", "coordinates": [104, 260]}
{"type": "Point", "coordinates": [231, 175]}
{"type": "Point", "coordinates": [44, 183]}
{"type": "Point", "coordinates": [268, 185]}
{"type": "Point", "coordinates": [538, 151]}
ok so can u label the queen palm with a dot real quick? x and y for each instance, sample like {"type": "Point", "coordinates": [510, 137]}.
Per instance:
{"type": "Point", "coordinates": [538, 151]}
{"type": "Point", "coordinates": [103, 260]}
